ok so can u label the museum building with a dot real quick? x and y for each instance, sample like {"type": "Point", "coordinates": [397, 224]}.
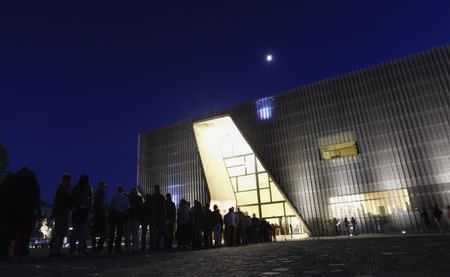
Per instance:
{"type": "Point", "coordinates": [373, 144]}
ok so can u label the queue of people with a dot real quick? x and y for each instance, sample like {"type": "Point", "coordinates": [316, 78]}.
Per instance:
{"type": "Point", "coordinates": [142, 223]}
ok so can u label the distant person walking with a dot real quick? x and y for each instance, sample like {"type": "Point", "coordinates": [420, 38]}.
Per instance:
{"type": "Point", "coordinates": [346, 227]}
{"type": "Point", "coordinates": [158, 210]}
{"type": "Point", "coordinates": [99, 234]}
{"type": "Point", "coordinates": [437, 215]}
{"type": "Point", "coordinates": [62, 206]}
{"type": "Point", "coordinates": [379, 224]}
{"type": "Point", "coordinates": [425, 219]}
{"type": "Point", "coordinates": [354, 226]}
{"type": "Point", "coordinates": [119, 205]}
{"type": "Point", "coordinates": [217, 222]}
{"type": "Point", "coordinates": [336, 224]}
{"type": "Point", "coordinates": [171, 212]}
{"type": "Point", "coordinates": [448, 217]}
{"type": "Point", "coordinates": [81, 207]}
{"type": "Point", "coordinates": [26, 211]}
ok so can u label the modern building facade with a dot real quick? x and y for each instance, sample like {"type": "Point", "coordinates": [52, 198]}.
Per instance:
{"type": "Point", "coordinates": [372, 144]}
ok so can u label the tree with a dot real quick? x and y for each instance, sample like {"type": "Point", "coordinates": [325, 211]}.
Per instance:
{"type": "Point", "coordinates": [3, 160]}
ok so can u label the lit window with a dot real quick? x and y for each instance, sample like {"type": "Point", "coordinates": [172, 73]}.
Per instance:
{"type": "Point", "coordinates": [339, 150]}
{"type": "Point", "coordinates": [265, 108]}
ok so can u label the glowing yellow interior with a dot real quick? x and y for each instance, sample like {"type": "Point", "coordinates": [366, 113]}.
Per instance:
{"type": "Point", "coordinates": [378, 203]}
{"type": "Point", "coordinates": [236, 177]}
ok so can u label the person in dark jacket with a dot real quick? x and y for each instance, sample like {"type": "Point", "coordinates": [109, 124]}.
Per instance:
{"type": "Point", "coordinates": [99, 225]}
{"type": "Point", "coordinates": [437, 216]}
{"type": "Point", "coordinates": [81, 207]}
{"type": "Point", "coordinates": [158, 211]}
{"type": "Point", "coordinates": [425, 219]}
{"type": "Point", "coordinates": [197, 220]}
{"type": "Point", "coordinates": [7, 187]}
{"type": "Point", "coordinates": [118, 207]}
{"type": "Point", "coordinates": [132, 222]}
{"type": "Point", "coordinates": [26, 210]}
{"type": "Point", "coordinates": [146, 217]}
{"type": "Point", "coordinates": [182, 233]}
{"type": "Point", "coordinates": [171, 212]}
{"type": "Point", "coordinates": [60, 214]}
{"type": "Point", "coordinates": [217, 222]}
{"type": "Point", "coordinates": [207, 226]}
{"type": "Point", "coordinates": [253, 229]}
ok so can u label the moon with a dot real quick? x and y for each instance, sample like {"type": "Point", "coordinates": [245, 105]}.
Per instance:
{"type": "Point", "coordinates": [269, 58]}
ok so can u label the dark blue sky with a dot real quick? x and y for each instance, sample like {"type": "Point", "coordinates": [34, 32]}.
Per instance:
{"type": "Point", "coordinates": [78, 82]}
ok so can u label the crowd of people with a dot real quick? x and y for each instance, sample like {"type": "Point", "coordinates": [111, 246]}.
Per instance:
{"type": "Point", "coordinates": [432, 221]}
{"type": "Point", "coordinates": [348, 227]}
{"type": "Point", "coordinates": [144, 222]}
{"type": "Point", "coordinates": [131, 222]}
{"type": "Point", "coordinates": [139, 222]}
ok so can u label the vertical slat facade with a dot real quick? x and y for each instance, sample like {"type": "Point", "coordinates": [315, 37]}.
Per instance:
{"type": "Point", "coordinates": [399, 113]}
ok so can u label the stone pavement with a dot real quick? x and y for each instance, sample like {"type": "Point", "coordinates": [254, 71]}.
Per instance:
{"type": "Point", "coordinates": [427, 255]}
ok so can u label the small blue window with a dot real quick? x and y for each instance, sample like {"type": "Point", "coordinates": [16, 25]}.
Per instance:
{"type": "Point", "coordinates": [265, 108]}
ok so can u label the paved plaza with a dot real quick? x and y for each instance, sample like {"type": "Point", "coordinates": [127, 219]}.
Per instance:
{"type": "Point", "coordinates": [421, 255]}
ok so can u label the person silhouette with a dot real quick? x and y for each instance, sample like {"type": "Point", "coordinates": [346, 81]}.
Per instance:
{"type": "Point", "coordinates": [60, 214]}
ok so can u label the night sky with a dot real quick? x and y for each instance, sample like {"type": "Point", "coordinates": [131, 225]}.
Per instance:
{"type": "Point", "coordinates": [78, 82]}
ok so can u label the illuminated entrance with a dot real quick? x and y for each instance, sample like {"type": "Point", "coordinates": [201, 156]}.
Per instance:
{"type": "Point", "coordinates": [236, 177]}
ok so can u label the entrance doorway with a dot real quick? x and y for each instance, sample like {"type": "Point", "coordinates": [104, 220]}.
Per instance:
{"type": "Point", "coordinates": [237, 178]}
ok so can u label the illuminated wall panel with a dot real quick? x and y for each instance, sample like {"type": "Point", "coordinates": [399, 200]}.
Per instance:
{"type": "Point", "coordinates": [223, 149]}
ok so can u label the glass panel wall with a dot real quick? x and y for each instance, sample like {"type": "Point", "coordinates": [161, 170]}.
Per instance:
{"type": "Point", "coordinates": [252, 185]}
{"type": "Point", "coordinates": [236, 177]}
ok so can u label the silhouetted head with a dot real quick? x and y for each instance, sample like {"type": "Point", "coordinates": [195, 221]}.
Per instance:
{"type": "Point", "coordinates": [215, 207]}
{"type": "Point", "coordinates": [26, 177]}
{"type": "Point", "coordinates": [169, 196]}
{"type": "Point", "coordinates": [230, 210]}
{"type": "Point", "coordinates": [134, 190]}
{"type": "Point", "coordinates": [197, 204]}
{"type": "Point", "coordinates": [254, 215]}
{"type": "Point", "coordinates": [157, 189]}
{"type": "Point", "coordinates": [84, 180]}
{"type": "Point", "coordinates": [182, 203]}
{"type": "Point", "coordinates": [101, 185]}
{"type": "Point", "coordinates": [66, 179]}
